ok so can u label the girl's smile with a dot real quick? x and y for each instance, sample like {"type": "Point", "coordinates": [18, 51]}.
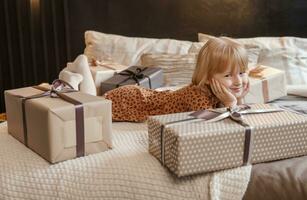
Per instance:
{"type": "Point", "coordinates": [236, 89]}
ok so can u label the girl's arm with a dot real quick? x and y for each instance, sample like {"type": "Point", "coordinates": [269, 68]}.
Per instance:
{"type": "Point", "coordinates": [240, 101]}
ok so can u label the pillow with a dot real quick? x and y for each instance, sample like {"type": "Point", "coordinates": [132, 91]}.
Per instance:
{"type": "Point", "coordinates": [177, 69]}
{"type": "Point", "coordinates": [284, 53]}
{"type": "Point", "coordinates": [298, 90]}
{"type": "Point", "coordinates": [73, 79]}
{"type": "Point", "coordinates": [128, 50]}
{"type": "Point", "coordinates": [81, 66]}
{"type": "Point", "coordinates": [255, 42]}
{"type": "Point", "coordinates": [290, 59]}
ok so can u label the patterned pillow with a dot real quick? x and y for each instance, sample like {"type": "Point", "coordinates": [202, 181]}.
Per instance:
{"type": "Point", "coordinates": [177, 69]}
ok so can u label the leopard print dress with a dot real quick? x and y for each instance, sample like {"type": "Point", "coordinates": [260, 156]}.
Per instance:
{"type": "Point", "coordinates": [134, 103]}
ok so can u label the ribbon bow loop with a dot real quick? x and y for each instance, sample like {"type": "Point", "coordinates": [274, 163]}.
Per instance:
{"type": "Point", "coordinates": [60, 86]}
{"type": "Point", "coordinates": [135, 75]}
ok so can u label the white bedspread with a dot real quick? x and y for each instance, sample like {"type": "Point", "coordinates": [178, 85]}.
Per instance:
{"type": "Point", "coordinates": [126, 172]}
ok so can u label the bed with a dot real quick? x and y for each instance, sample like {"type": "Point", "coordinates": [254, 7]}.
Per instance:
{"type": "Point", "coordinates": [129, 171]}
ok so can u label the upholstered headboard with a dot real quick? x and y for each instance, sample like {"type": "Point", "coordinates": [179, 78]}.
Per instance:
{"type": "Point", "coordinates": [38, 37]}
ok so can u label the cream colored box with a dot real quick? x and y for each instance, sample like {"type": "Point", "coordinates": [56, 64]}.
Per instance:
{"type": "Point", "coordinates": [51, 125]}
{"type": "Point", "coordinates": [270, 86]}
{"type": "Point", "coordinates": [195, 147]}
{"type": "Point", "coordinates": [102, 71]}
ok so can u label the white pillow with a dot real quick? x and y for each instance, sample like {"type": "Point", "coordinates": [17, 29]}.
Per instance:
{"type": "Point", "coordinates": [74, 79]}
{"type": "Point", "coordinates": [128, 50]}
{"type": "Point", "coordinates": [299, 90]}
{"type": "Point", "coordinates": [81, 66]}
{"type": "Point", "coordinates": [177, 69]}
{"type": "Point", "coordinates": [284, 53]}
{"type": "Point", "coordinates": [259, 42]}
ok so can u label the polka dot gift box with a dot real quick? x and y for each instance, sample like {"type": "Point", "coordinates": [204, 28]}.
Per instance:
{"type": "Point", "coordinates": [187, 145]}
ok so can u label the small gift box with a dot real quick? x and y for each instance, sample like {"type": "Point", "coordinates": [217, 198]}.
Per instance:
{"type": "Point", "coordinates": [59, 124]}
{"type": "Point", "coordinates": [211, 140]}
{"type": "Point", "coordinates": [148, 77]}
{"type": "Point", "coordinates": [102, 71]}
{"type": "Point", "coordinates": [268, 85]}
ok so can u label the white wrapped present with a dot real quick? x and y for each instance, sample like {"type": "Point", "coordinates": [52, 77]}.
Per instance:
{"type": "Point", "coordinates": [268, 85]}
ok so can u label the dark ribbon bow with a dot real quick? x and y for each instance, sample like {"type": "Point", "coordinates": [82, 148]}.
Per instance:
{"type": "Point", "coordinates": [136, 75]}
{"type": "Point", "coordinates": [58, 88]}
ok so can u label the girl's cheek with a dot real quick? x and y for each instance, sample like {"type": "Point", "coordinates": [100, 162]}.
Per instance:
{"type": "Point", "coordinates": [227, 83]}
{"type": "Point", "coordinates": [244, 79]}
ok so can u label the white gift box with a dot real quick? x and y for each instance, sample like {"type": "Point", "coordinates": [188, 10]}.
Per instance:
{"type": "Point", "coordinates": [269, 86]}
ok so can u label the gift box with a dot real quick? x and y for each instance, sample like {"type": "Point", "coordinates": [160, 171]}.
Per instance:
{"type": "Point", "coordinates": [102, 71]}
{"type": "Point", "coordinates": [187, 145]}
{"type": "Point", "coordinates": [148, 77]}
{"type": "Point", "coordinates": [74, 125]}
{"type": "Point", "coordinates": [267, 86]}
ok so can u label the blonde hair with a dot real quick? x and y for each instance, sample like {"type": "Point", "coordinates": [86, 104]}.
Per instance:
{"type": "Point", "coordinates": [215, 56]}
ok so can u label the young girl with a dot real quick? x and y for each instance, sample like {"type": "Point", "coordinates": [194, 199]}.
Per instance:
{"type": "Point", "coordinates": [220, 79]}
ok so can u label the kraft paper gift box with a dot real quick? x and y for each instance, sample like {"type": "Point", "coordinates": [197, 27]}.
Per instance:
{"type": "Point", "coordinates": [196, 146]}
{"type": "Point", "coordinates": [148, 77]}
{"type": "Point", "coordinates": [269, 86]}
{"type": "Point", "coordinates": [51, 129]}
{"type": "Point", "coordinates": [103, 71]}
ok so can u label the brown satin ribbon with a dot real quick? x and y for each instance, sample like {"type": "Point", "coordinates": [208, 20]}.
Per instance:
{"type": "Point", "coordinates": [248, 147]}
{"type": "Point", "coordinates": [79, 111]}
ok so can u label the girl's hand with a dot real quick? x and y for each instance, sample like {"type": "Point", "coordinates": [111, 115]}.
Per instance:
{"type": "Point", "coordinates": [245, 90]}
{"type": "Point", "coordinates": [223, 94]}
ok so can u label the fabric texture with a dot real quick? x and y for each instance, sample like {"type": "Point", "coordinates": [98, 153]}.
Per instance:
{"type": "Point", "coordinates": [134, 103]}
{"type": "Point", "coordinates": [128, 50]}
{"type": "Point", "coordinates": [74, 79]}
{"type": "Point", "coordinates": [126, 172]}
{"type": "Point", "coordinates": [177, 69]}
{"type": "Point", "coordinates": [299, 90]}
{"type": "Point", "coordinates": [284, 179]}
{"type": "Point", "coordinates": [285, 53]}
{"type": "Point", "coordinates": [81, 66]}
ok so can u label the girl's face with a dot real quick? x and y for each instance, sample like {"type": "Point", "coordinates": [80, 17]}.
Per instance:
{"type": "Point", "coordinates": [234, 81]}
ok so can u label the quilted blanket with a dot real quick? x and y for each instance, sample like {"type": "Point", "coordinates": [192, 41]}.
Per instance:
{"type": "Point", "coordinates": [126, 172]}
